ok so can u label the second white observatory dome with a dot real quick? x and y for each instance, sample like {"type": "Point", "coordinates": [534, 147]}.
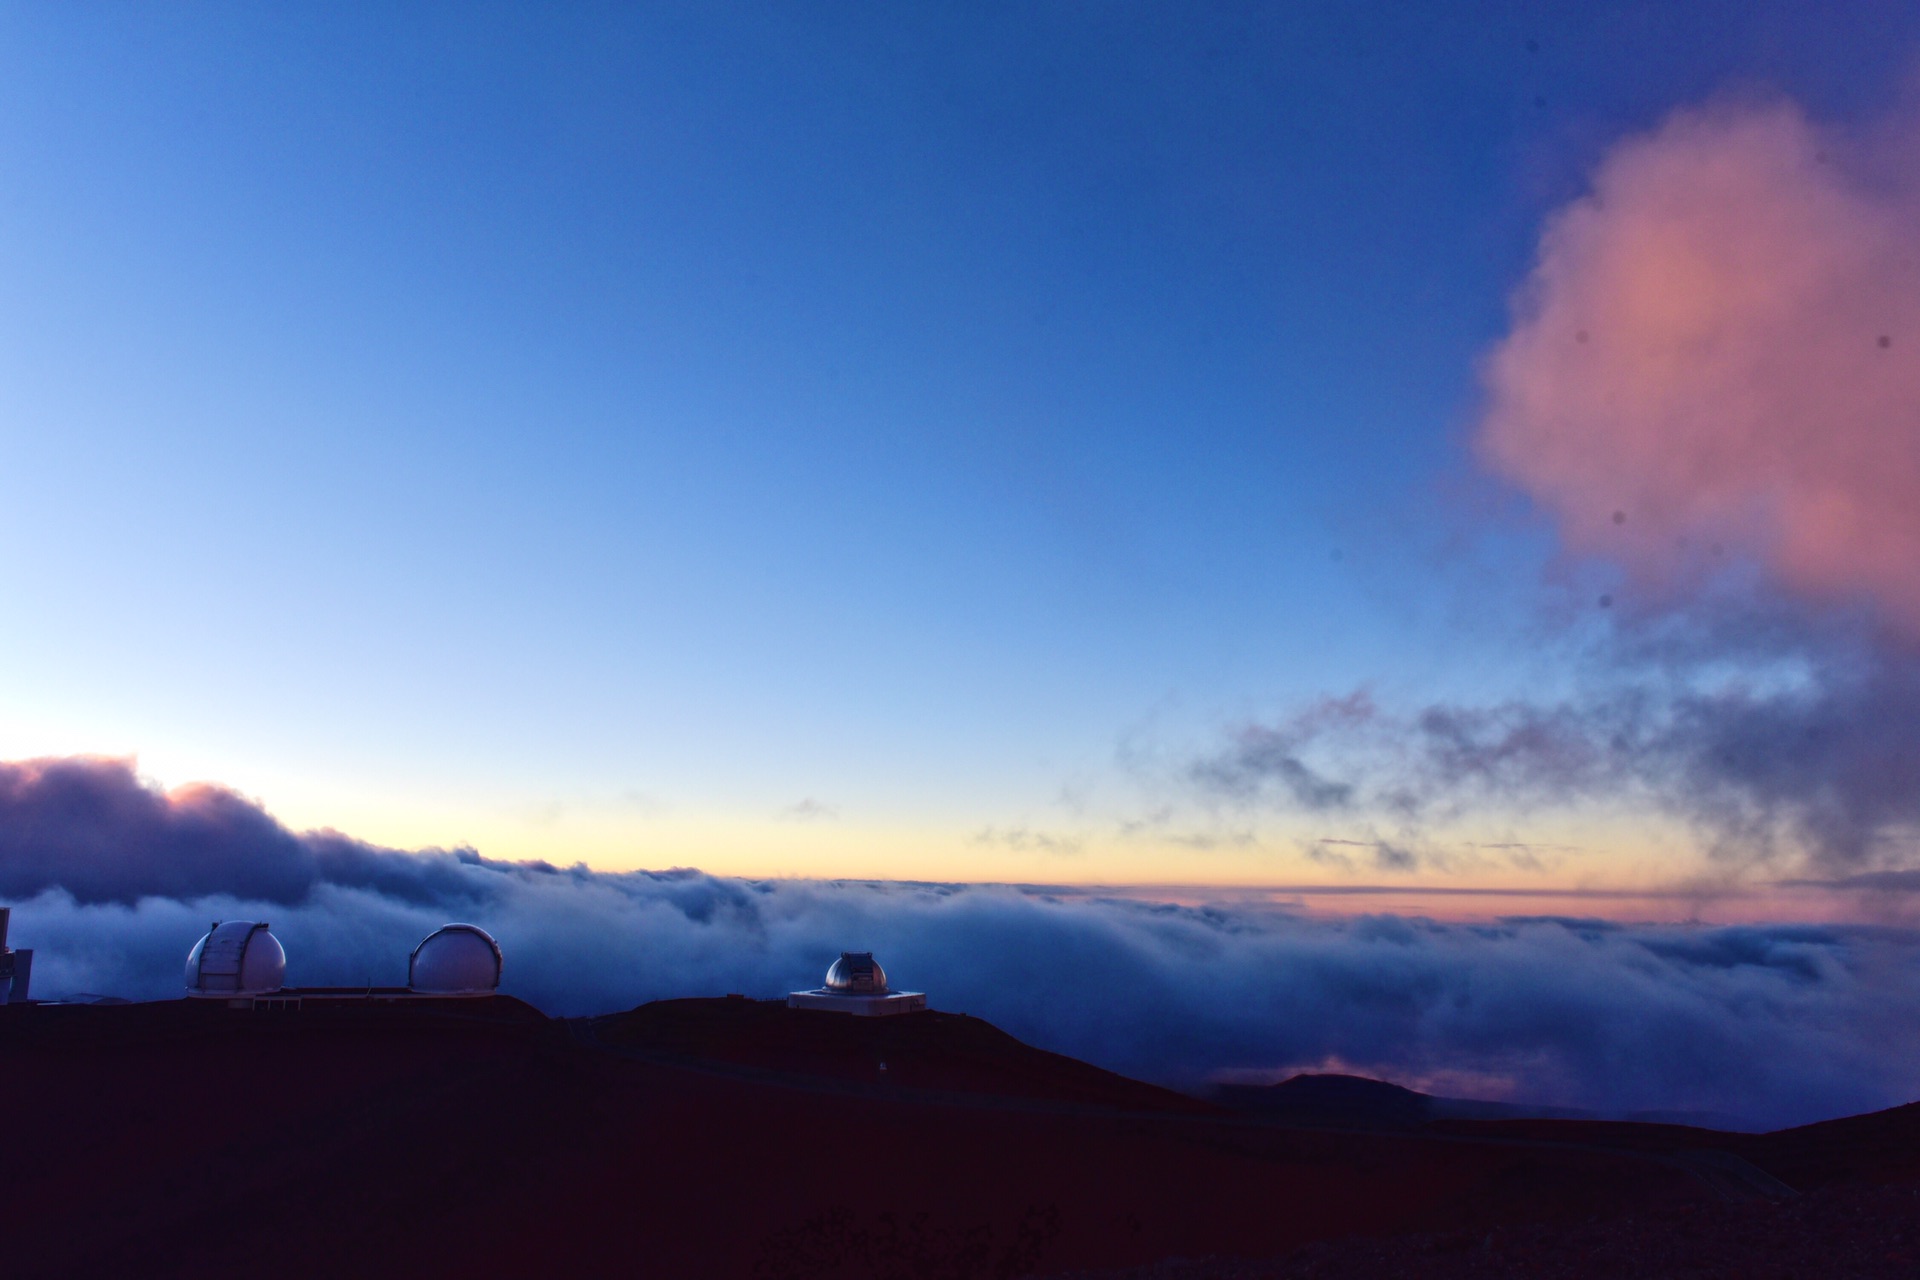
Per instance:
{"type": "Point", "coordinates": [455, 960]}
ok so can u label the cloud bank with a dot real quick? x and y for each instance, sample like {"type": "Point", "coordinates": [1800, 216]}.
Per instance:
{"type": "Point", "coordinates": [1718, 353]}
{"type": "Point", "coordinates": [113, 880]}
{"type": "Point", "coordinates": [1711, 388]}
{"type": "Point", "coordinates": [1818, 765]}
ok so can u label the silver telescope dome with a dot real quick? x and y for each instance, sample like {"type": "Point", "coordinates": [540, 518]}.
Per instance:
{"type": "Point", "coordinates": [857, 973]}
{"type": "Point", "coordinates": [236, 958]}
{"type": "Point", "coordinates": [455, 960]}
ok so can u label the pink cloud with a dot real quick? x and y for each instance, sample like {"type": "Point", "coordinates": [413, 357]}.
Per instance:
{"type": "Point", "coordinates": [1718, 355]}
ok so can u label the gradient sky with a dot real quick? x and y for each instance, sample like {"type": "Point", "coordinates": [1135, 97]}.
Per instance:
{"type": "Point", "coordinates": [877, 442]}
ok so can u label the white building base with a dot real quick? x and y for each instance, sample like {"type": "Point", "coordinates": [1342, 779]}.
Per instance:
{"type": "Point", "coordinates": [879, 1006]}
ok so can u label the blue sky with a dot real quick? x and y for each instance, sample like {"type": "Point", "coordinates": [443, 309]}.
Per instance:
{"type": "Point", "coordinates": [830, 443]}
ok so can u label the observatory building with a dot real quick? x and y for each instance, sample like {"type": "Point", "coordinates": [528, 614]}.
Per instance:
{"type": "Point", "coordinates": [16, 967]}
{"type": "Point", "coordinates": [856, 984]}
{"type": "Point", "coordinates": [455, 960]}
{"type": "Point", "coordinates": [241, 962]}
{"type": "Point", "coordinates": [236, 959]}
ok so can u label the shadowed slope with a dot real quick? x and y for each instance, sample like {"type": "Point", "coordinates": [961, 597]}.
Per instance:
{"type": "Point", "coordinates": [687, 1139]}
{"type": "Point", "coordinates": [942, 1052]}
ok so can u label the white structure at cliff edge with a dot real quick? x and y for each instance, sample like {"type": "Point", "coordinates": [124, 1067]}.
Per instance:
{"type": "Point", "coordinates": [856, 984]}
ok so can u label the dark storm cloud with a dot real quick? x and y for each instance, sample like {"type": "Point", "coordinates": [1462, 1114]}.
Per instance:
{"type": "Point", "coordinates": [1777, 1024]}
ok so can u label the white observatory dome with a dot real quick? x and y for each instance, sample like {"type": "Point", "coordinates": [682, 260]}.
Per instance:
{"type": "Point", "coordinates": [857, 973]}
{"type": "Point", "coordinates": [455, 960]}
{"type": "Point", "coordinates": [236, 958]}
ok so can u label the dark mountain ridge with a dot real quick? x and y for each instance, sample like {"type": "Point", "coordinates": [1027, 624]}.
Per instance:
{"type": "Point", "coordinates": [739, 1138]}
{"type": "Point", "coordinates": [1358, 1101]}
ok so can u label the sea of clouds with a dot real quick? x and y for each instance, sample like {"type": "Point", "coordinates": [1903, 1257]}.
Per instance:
{"type": "Point", "coordinates": [112, 880]}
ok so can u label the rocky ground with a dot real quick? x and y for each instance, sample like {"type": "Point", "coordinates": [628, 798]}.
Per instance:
{"type": "Point", "coordinates": [1841, 1233]}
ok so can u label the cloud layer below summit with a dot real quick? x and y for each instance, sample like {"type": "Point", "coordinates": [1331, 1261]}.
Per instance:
{"type": "Point", "coordinates": [113, 880]}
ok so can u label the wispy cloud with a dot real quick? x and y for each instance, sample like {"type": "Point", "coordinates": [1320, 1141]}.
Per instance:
{"type": "Point", "coordinates": [1900, 882]}
{"type": "Point", "coordinates": [1825, 766]}
{"type": "Point", "coordinates": [1025, 839]}
{"type": "Point", "coordinates": [810, 810]}
{"type": "Point", "coordinates": [1384, 855]}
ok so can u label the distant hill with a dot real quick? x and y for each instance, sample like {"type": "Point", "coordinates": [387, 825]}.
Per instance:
{"type": "Point", "coordinates": [1337, 1101]}
{"type": "Point", "coordinates": [1333, 1100]}
{"type": "Point", "coordinates": [931, 1051]}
